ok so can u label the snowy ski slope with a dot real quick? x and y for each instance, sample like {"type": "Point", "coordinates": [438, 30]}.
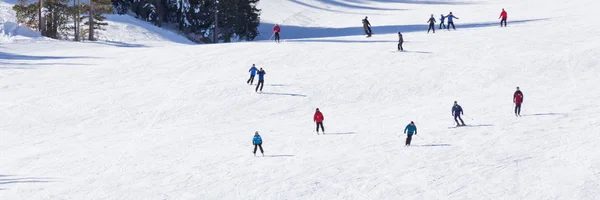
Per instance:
{"type": "Point", "coordinates": [168, 120]}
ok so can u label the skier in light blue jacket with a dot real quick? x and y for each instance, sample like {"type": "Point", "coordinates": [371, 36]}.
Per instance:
{"type": "Point", "coordinates": [252, 71]}
{"type": "Point", "coordinates": [257, 142]}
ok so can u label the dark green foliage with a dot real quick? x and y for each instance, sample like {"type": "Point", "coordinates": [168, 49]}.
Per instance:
{"type": "Point", "coordinates": [121, 6]}
{"type": "Point", "coordinates": [27, 14]}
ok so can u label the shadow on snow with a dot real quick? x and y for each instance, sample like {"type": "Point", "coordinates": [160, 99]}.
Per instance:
{"type": "Point", "coordinates": [341, 133]}
{"type": "Point", "coordinates": [300, 32]}
{"type": "Point", "coordinates": [6, 179]}
{"type": "Point", "coordinates": [343, 4]}
{"type": "Point", "coordinates": [119, 44]}
{"type": "Point", "coordinates": [284, 94]}
{"type": "Point", "coordinates": [433, 145]}
{"type": "Point", "coordinates": [279, 155]}
{"type": "Point", "coordinates": [547, 114]}
{"type": "Point", "coordinates": [10, 56]}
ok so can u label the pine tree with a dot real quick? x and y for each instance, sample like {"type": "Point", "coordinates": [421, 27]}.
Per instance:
{"type": "Point", "coordinates": [121, 6]}
{"type": "Point", "coordinates": [96, 9]}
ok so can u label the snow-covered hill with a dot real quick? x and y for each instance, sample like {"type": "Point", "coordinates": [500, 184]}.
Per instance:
{"type": "Point", "coordinates": [161, 120]}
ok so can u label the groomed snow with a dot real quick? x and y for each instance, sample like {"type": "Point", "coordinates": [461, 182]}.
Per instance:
{"type": "Point", "coordinates": [166, 120]}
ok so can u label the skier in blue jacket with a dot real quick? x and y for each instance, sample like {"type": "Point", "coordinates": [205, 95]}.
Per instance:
{"type": "Point", "coordinates": [410, 130]}
{"type": "Point", "coordinates": [442, 18]}
{"type": "Point", "coordinates": [451, 17]}
{"type": "Point", "coordinates": [261, 80]}
{"type": "Point", "coordinates": [252, 74]}
{"type": "Point", "coordinates": [257, 142]}
{"type": "Point", "coordinates": [456, 112]}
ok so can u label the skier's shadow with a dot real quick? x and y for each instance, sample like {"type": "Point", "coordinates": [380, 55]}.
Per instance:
{"type": "Point", "coordinates": [433, 145]}
{"type": "Point", "coordinates": [547, 114]}
{"type": "Point", "coordinates": [279, 85]}
{"type": "Point", "coordinates": [341, 133]}
{"type": "Point", "coordinates": [284, 94]}
{"type": "Point", "coordinates": [279, 155]}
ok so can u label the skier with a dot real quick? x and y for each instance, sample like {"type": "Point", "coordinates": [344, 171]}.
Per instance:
{"type": "Point", "coordinates": [451, 17]}
{"type": "Point", "coordinates": [518, 100]}
{"type": "Point", "coordinates": [409, 130]}
{"type": "Point", "coordinates": [400, 41]}
{"type": "Point", "coordinates": [367, 27]}
{"type": "Point", "coordinates": [252, 74]}
{"type": "Point", "coordinates": [276, 31]}
{"type": "Point", "coordinates": [442, 18]}
{"type": "Point", "coordinates": [456, 112]}
{"type": "Point", "coordinates": [257, 142]}
{"type": "Point", "coordinates": [318, 118]}
{"type": "Point", "coordinates": [431, 24]}
{"type": "Point", "coordinates": [261, 80]}
{"type": "Point", "coordinates": [503, 15]}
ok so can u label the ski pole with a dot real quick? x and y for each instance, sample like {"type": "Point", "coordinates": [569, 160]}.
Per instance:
{"type": "Point", "coordinates": [272, 36]}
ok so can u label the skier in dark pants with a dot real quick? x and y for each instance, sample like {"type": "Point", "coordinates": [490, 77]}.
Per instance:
{"type": "Point", "coordinates": [252, 74]}
{"type": "Point", "coordinates": [367, 27]}
{"type": "Point", "coordinates": [261, 80]}
{"type": "Point", "coordinates": [318, 118]}
{"type": "Point", "coordinates": [400, 41]}
{"type": "Point", "coordinates": [442, 18]}
{"type": "Point", "coordinates": [257, 142]}
{"type": "Point", "coordinates": [504, 16]}
{"type": "Point", "coordinates": [518, 100]}
{"type": "Point", "coordinates": [276, 31]}
{"type": "Point", "coordinates": [451, 18]}
{"type": "Point", "coordinates": [409, 130]}
{"type": "Point", "coordinates": [431, 22]}
{"type": "Point", "coordinates": [456, 112]}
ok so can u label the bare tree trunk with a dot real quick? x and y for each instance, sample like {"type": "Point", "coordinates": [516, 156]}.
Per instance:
{"type": "Point", "coordinates": [75, 19]}
{"type": "Point", "coordinates": [78, 21]}
{"type": "Point", "coordinates": [41, 22]}
{"type": "Point", "coordinates": [91, 22]}
{"type": "Point", "coordinates": [159, 12]}
{"type": "Point", "coordinates": [216, 35]}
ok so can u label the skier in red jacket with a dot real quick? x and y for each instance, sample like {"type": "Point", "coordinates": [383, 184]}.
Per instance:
{"type": "Point", "coordinates": [503, 15]}
{"type": "Point", "coordinates": [319, 119]}
{"type": "Point", "coordinates": [276, 31]}
{"type": "Point", "coordinates": [518, 100]}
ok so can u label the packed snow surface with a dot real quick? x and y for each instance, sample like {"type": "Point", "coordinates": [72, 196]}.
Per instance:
{"type": "Point", "coordinates": [157, 118]}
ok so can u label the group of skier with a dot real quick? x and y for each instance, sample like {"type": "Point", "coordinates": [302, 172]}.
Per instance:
{"type": "Point", "coordinates": [411, 128]}
{"type": "Point", "coordinates": [261, 77]}
{"type": "Point", "coordinates": [450, 18]}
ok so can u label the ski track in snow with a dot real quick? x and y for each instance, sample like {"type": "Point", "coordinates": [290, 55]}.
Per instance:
{"type": "Point", "coordinates": [145, 115]}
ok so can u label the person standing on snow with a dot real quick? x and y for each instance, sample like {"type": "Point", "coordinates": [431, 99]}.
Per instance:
{"type": "Point", "coordinates": [431, 24]}
{"type": "Point", "coordinates": [456, 112]}
{"type": "Point", "coordinates": [504, 16]}
{"type": "Point", "coordinates": [451, 18]}
{"type": "Point", "coordinates": [252, 74]}
{"type": "Point", "coordinates": [409, 130]}
{"type": "Point", "coordinates": [257, 142]}
{"type": "Point", "coordinates": [367, 27]}
{"type": "Point", "coordinates": [442, 18]}
{"type": "Point", "coordinates": [318, 118]}
{"type": "Point", "coordinates": [261, 80]}
{"type": "Point", "coordinates": [276, 31]}
{"type": "Point", "coordinates": [400, 41]}
{"type": "Point", "coordinates": [518, 100]}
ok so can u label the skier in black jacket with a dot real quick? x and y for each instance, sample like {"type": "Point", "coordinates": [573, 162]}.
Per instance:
{"type": "Point", "coordinates": [400, 41]}
{"type": "Point", "coordinates": [431, 22]}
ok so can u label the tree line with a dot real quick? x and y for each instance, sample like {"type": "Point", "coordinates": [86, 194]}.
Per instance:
{"type": "Point", "coordinates": [202, 21]}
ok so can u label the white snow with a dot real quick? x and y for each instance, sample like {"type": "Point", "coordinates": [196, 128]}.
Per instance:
{"type": "Point", "coordinates": [165, 120]}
